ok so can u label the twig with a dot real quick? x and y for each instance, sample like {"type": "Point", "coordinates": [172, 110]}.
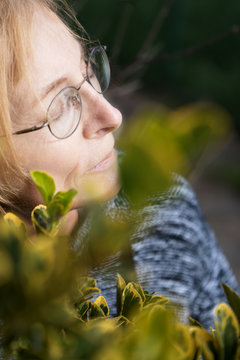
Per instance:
{"type": "Point", "coordinates": [121, 30]}
{"type": "Point", "coordinates": [147, 52]}
{"type": "Point", "coordinates": [150, 57]}
{"type": "Point", "coordinates": [192, 50]}
{"type": "Point", "coordinates": [160, 18]}
{"type": "Point", "coordinates": [139, 63]}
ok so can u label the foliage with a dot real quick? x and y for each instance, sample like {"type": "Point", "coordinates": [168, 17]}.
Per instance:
{"type": "Point", "coordinates": [48, 311]}
{"type": "Point", "coordinates": [166, 141]}
{"type": "Point", "coordinates": [46, 218]}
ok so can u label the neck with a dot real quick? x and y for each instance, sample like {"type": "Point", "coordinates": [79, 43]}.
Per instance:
{"type": "Point", "coordinates": [68, 223]}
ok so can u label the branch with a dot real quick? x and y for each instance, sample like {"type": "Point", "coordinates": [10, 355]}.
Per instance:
{"type": "Point", "coordinates": [148, 52]}
{"type": "Point", "coordinates": [194, 49]}
{"type": "Point", "coordinates": [160, 18]}
{"type": "Point", "coordinates": [121, 30]}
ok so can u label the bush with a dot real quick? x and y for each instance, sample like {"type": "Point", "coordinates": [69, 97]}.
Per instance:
{"type": "Point", "coordinates": [48, 311]}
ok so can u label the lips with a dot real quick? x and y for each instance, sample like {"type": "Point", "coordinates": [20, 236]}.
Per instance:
{"type": "Point", "coordinates": [104, 163]}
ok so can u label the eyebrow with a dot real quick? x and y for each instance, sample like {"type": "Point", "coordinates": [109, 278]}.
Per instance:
{"type": "Point", "coordinates": [56, 83]}
{"type": "Point", "coordinates": [49, 88]}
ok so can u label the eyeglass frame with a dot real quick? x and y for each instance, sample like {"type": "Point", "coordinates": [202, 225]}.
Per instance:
{"type": "Point", "coordinates": [46, 123]}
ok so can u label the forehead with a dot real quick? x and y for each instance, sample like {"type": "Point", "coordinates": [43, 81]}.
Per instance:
{"type": "Point", "coordinates": [54, 49]}
{"type": "Point", "coordinates": [55, 53]}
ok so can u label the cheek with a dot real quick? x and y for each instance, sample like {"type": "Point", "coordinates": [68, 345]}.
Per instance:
{"type": "Point", "coordinates": [57, 158]}
{"type": "Point", "coordinates": [97, 186]}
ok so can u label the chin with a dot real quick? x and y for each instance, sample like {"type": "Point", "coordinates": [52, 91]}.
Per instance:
{"type": "Point", "coordinates": [97, 186]}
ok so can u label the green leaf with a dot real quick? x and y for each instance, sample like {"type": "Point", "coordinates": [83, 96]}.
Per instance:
{"type": "Point", "coordinates": [160, 300]}
{"type": "Point", "coordinates": [194, 322]}
{"type": "Point", "coordinates": [96, 312]}
{"type": "Point", "coordinates": [120, 321]}
{"type": "Point", "coordinates": [45, 185]}
{"type": "Point", "coordinates": [16, 224]}
{"type": "Point", "coordinates": [183, 341]}
{"type": "Point", "coordinates": [139, 290]}
{"type": "Point", "coordinates": [87, 288]}
{"type": "Point", "coordinates": [154, 299]}
{"type": "Point", "coordinates": [227, 331]}
{"type": "Point", "coordinates": [132, 302]}
{"type": "Point", "coordinates": [120, 288]}
{"type": "Point", "coordinates": [61, 204]}
{"type": "Point", "coordinates": [41, 221]}
{"type": "Point", "coordinates": [101, 302]}
{"type": "Point", "coordinates": [82, 310]}
{"type": "Point", "coordinates": [205, 343]}
{"type": "Point", "coordinates": [233, 299]}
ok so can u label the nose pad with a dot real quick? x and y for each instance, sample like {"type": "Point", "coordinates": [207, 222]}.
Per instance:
{"type": "Point", "coordinates": [100, 117]}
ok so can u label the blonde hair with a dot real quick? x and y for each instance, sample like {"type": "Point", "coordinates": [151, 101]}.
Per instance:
{"type": "Point", "coordinates": [15, 30]}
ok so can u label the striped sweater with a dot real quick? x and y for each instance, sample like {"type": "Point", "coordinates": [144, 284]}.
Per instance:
{"type": "Point", "coordinates": [174, 252]}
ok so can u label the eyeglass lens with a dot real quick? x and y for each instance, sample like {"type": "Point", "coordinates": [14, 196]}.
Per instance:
{"type": "Point", "coordinates": [65, 109]}
{"type": "Point", "coordinates": [98, 70]}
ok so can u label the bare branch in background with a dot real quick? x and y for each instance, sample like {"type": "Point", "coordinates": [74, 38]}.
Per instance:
{"type": "Point", "coordinates": [158, 23]}
{"type": "Point", "coordinates": [124, 20]}
{"type": "Point", "coordinates": [194, 49]}
{"type": "Point", "coordinates": [124, 90]}
{"type": "Point", "coordinates": [139, 63]}
{"type": "Point", "coordinates": [150, 57]}
{"type": "Point", "coordinates": [148, 51]}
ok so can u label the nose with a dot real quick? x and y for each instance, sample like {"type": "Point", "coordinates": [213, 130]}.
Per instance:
{"type": "Point", "coordinates": [99, 116]}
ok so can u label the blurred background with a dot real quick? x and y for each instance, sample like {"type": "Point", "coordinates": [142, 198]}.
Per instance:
{"type": "Point", "coordinates": [174, 53]}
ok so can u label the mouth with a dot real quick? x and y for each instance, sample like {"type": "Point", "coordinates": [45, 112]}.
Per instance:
{"type": "Point", "coordinates": [104, 163]}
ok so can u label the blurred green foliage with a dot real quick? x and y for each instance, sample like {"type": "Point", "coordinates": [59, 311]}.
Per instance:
{"type": "Point", "coordinates": [137, 30]}
{"type": "Point", "coordinates": [49, 309]}
{"type": "Point", "coordinates": [160, 141]}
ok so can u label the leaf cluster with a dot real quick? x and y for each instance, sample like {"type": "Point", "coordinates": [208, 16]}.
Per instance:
{"type": "Point", "coordinates": [48, 311]}
{"type": "Point", "coordinates": [46, 218]}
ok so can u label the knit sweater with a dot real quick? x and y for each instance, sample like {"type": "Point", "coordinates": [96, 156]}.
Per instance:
{"type": "Point", "coordinates": [174, 252]}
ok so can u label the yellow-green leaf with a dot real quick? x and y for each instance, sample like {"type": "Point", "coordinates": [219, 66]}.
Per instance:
{"type": "Point", "coordinates": [41, 220]}
{"type": "Point", "coordinates": [233, 299]}
{"type": "Point", "coordinates": [132, 302]}
{"type": "Point", "coordinates": [45, 184]}
{"type": "Point", "coordinates": [101, 302]}
{"type": "Point", "coordinates": [204, 342]}
{"type": "Point", "coordinates": [227, 331]}
{"type": "Point", "coordinates": [96, 312]}
{"type": "Point", "coordinates": [120, 288]}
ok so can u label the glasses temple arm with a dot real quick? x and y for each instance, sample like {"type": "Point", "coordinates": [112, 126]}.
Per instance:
{"type": "Point", "coordinates": [34, 128]}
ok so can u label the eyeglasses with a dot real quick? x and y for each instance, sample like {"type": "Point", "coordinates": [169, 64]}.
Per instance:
{"type": "Point", "coordinates": [64, 111]}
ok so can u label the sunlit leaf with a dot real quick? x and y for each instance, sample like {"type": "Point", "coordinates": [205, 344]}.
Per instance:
{"type": "Point", "coordinates": [45, 184]}
{"type": "Point", "coordinates": [61, 204]}
{"type": "Point", "coordinates": [120, 288]}
{"type": "Point", "coordinates": [41, 221]}
{"type": "Point", "coordinates": [204, 342]}
{"type": "Point", "coordinates": [233, 299]}
{"type": "Point", "coordinates": [96, 311]}
{"type": "Point", "coordinates": [132, 302]}
{"type": "Point", "coordinates": [15, 222]}
{"type": "Point", "coordinates": [227, 331]}
{"type": "Point", "coordinates": [101, 302]}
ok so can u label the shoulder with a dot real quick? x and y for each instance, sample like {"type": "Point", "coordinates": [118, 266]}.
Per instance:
{"type": "Point", "coordinates": [175, 213]}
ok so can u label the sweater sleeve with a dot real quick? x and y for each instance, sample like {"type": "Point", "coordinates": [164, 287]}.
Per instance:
{"type": "Point", "coordinates": [176, 254]}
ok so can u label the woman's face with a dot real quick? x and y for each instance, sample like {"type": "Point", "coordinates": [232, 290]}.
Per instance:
{"type": "Point", "coordinates": [86, 160]}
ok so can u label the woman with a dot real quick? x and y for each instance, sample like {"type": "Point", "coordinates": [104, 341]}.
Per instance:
{"type": "Point", "coordinates": [44, 67]}
{"type": "Point", "coordinates": [54, 118]}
